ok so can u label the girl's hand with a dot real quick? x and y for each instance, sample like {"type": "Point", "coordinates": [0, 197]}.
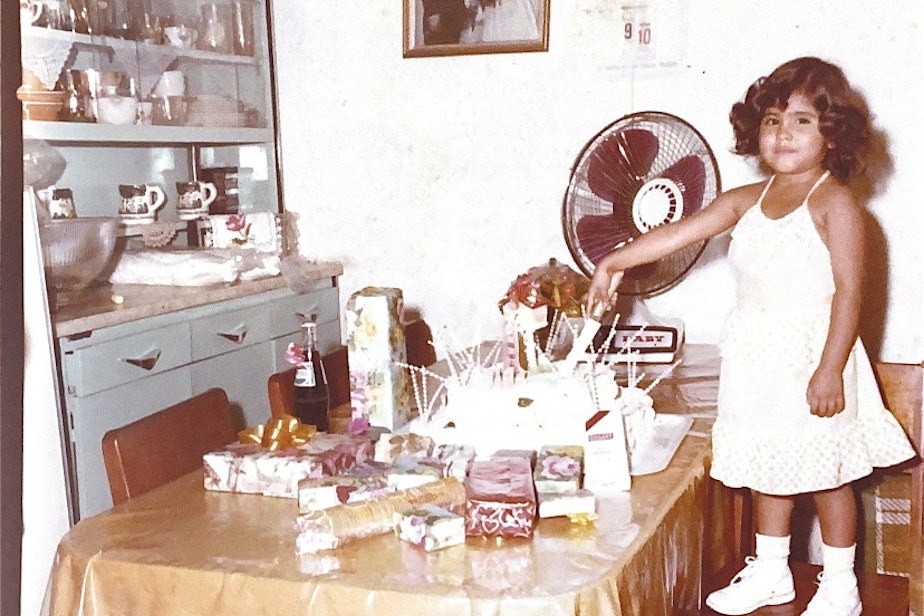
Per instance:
{"type": "Point", "coordinates": [602, 291]}
{"type": "Point", "coordinates": [825, 394]}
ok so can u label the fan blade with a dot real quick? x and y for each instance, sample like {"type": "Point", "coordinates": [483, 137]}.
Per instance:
{"type": "Point", "coordinates": [641, 272]}
{"type": "Point", "coordinates": [689, 174]}
{"type": "Point", "coordinates": [618, 164]}
{"type": "Point", "coordinates": [597, 236]}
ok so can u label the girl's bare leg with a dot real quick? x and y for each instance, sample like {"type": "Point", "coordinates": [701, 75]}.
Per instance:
{"type": "Point", "coordinates": [774, 514]}
{"type": "Point", "coordinates": [837, 514]}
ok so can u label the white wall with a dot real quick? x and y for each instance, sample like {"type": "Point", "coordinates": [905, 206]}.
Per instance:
{"type": "Point", "coordinates": [444, 176]}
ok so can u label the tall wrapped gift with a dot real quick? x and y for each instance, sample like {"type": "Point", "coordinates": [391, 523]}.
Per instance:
{"type": "Point", "coordinates": [380, 389]}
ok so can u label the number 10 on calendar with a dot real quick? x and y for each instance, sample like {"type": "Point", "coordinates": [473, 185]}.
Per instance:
{"type": "Point", "coordinates": [639, 34]}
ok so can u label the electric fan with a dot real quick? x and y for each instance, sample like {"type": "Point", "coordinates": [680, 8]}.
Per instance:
{"type": "Point", "coordinates": [644, 170]}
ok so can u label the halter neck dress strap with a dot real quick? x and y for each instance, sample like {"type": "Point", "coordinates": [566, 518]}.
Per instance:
{"type": "Point", "coordinates": [824, 176]}
{"type": "Point", "coordinates": [763, 193]}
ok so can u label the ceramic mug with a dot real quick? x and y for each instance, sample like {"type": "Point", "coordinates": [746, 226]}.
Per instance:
{"type": "Point", "coordinates": [58, 201]}
{"type": "Point", "coordinates": [194, 199]}
{"type": "Point", "coordinates": [140, 202]}
{"type": "Point", "coordinates": [30, 11]}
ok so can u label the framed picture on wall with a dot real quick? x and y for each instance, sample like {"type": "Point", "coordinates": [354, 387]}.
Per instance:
{"type": "Point", "coordinates": [456, 27]}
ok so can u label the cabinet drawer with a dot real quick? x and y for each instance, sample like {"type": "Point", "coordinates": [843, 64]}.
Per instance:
{"type": "Point", "coordinates": [228, 331]}
{"type": "Point", "coordinates": [291, 312]}
{"type": "Point", "coordinates": [105, 365]}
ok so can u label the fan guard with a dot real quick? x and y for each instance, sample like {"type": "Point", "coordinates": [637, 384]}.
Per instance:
{"type": "Point", "coordinates": [643, 170]}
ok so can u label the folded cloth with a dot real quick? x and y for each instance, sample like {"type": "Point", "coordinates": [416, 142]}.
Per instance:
{"type": "Point", "coordinates": [190, 268]}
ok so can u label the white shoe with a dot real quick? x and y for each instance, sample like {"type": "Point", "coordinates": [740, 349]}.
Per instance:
{"type": "Point", "coordinates": [837, 596]}
{"type": "Point", "coordinates": [760, 583]}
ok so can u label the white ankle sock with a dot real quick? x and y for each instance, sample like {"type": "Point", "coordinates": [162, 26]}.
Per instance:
{"type": "Point", "coordinates": [769, 547]}
{"type": "Point", "coordinates": [838, 560]}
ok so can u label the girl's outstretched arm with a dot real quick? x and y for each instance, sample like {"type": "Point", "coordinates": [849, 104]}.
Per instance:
{"type": "Point", "coordinates": [839, 219]}
{"type": "Point", "coordinates": [661, 241]}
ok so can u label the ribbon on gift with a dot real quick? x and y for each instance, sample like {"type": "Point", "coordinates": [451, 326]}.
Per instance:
{"type": "Point", "coordinates": [582, 519]}
{"type": "Point", "coordinates": [278, 434]}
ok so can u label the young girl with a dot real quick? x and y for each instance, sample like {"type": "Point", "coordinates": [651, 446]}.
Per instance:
{"type": "Point", "coordinates": [799, 410]}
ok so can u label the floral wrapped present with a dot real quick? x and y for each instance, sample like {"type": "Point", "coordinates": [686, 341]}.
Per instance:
{"type": "Point", "coordinates": [380, 386]}
{"type": "Point", "coordinates": [390, 446]}
{"type": "Point", "coordinates": [580, 502]}
{"type": "Point", "coordinates": [252, 469]}
{"type": "Point", "coordinates": [362, 483]}
{"type": "Point", "coordinates": [328, 529]}
{"type": "Point", "coordinates": [410, 471]}
{"type": "Point", "coordinates": [558, 468]}
{"type": "Point", "coordinates": [500, 498]}
{"type": "Point", "coordinates": [272, 458]}
{"type": "Point", "coordinates": [430, 527]}
{"type": "Point", "coordinates": [456, 459]}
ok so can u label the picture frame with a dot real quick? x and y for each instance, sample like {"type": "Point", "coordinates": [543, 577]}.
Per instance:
{"type": "Point", "coordinates": [463, 27]}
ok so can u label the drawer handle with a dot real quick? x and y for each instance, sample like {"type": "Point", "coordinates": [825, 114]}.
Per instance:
{"type": "Point", "coordinates": [146, 363]}
{"type": "Point", "coordinates": [309, 315]}
{"type": "Point", "coordinates": [236, 335]}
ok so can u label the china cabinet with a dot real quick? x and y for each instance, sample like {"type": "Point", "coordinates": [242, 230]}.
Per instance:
{"type": "Point", "coordinates": [196, 79]}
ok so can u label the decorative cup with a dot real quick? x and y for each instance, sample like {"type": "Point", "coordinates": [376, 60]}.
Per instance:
{"type": "Point", "coordinates": [58, 201]}
{"type": "Point", "coordinates": [194, 199]}
{"type": "Point", "coordinates": [30, 11]}
{"type": "Point", "coordinates": [120, 110]}
{"type": "Point", "coordinates": [61, 204]}
{"type": "Point", "coordinates": [181, 36]}
{"type": "Point", "coordinates": [140, 203]}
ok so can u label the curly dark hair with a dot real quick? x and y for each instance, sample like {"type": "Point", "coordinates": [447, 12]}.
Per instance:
{"type": "Point", "coordinates": [844, 118]}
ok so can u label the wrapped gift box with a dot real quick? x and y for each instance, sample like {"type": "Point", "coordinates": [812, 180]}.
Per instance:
{"type": "Point", "coordinates": [500, 498]}
{"type": "Point", "coordinates": [357, 485]}
{"type": "Point", "coordinates": [430, 527]}
{"type": "Point", "coordinates": [390, 446]}
{"type": "Point", "coordinates": [253, 469]}
{"type": "Point", "coordinates": [553, 505]}
{"type": "Point", "coordinates": [410, 471]}
{"type": "Point", "coordinates": [380, 388]}
{"type": "Point", "coordinates": [328, 529]}
{"type": "Point", "coordinates": [558, 468]}
{"type": "Point", "coordinates": [456, 459]}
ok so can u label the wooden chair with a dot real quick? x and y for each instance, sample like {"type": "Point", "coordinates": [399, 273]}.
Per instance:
{"type": "Point", "coordinates": [281, 386]}
{"type": "Point", "coordinates": [882, 595]}
{"type": "Point", "coordinates": [159, 448]}
{"type": "Point", "coordinates": [419, 340]}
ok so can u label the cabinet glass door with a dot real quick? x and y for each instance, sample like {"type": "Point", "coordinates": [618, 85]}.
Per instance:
{"type": "Point", "coordinates": [152, 91]}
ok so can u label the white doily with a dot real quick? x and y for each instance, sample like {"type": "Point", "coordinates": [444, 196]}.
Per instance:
{"type": "Point", "coordinates": [147, 66]}
{"type": "Point", "coordinates": [45, 58]}
{"type": "Point", "coordinates": [158, 234]}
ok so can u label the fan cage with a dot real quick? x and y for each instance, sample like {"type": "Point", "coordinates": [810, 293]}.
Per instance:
{"type": "Point", "coordinates": [676, 139]}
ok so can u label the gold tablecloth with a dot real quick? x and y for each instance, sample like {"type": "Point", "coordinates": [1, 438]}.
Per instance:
{"type": "Point", "coordinates": [183, 550]}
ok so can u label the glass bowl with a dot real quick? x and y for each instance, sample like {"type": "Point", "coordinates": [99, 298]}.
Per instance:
{"type": "Point", "coordinates": [75, 252]}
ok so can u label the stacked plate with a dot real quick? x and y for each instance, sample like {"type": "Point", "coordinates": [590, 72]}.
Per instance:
{"type": "Point", "coordinates": [217, 111]}
{"type": "Point", "coordinates": [40, 104]}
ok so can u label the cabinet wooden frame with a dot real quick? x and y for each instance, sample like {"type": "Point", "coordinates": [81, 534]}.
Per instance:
{"type": "Point", "coordinates": [456, 27]}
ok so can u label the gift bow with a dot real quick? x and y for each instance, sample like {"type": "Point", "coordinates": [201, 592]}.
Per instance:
{"type": "Point", "coordinates": [280, 433]}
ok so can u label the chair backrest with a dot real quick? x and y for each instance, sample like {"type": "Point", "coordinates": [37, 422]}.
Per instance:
{"type": "Point", "coordinates": [281, 386]}
{"type": "Point", "coordinates": [903, 388]}
{"type": "Point", "coordinates": [419, 340]}
{"type": "Point", "coordinates": [159, 448]}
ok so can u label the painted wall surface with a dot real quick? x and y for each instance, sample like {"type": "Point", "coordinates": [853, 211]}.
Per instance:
{"type": "Point", "coordinates": [445, 176]}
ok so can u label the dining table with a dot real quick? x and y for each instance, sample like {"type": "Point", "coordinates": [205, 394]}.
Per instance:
{"type": "Point", "coordinates": [181, 549]}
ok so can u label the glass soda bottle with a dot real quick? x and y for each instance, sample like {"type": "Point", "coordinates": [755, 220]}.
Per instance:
{"type": "Point", "coordinates": [311, 397]}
